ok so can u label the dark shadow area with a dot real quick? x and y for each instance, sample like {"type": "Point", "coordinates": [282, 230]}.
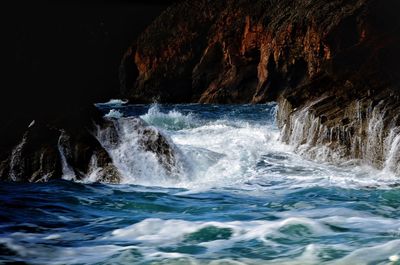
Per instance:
{"type": "Point", "coordinates": [67, 56]}
{"type": "Point", "coordinates": [69, 51]}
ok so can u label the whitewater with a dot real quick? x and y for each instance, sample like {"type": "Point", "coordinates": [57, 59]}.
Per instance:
{"type": "Point", "coordinates": [237, 195]}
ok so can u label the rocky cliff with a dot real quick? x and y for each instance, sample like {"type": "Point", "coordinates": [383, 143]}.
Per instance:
{"type": "Point", "coordinates": [333, 67]}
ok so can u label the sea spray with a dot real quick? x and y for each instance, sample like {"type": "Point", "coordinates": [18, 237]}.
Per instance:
{"type": "Point", "coordinates": [172, 120]}
{"type": "Point", "coordinates": [67, 171]}
{"type": "Point", "coordinates": [141, 153]}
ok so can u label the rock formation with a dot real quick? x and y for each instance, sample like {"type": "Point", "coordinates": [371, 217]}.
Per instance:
{"type": "Point", "coordinates": [332, 66]}
{"type": "Point", "coordinates": [77, 148]}
{"type": "Point", "coordinates": [130, 138]}
{"type": "Point", "coordinates": [55, 148]}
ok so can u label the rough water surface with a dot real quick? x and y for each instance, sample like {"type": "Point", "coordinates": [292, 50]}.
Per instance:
{"type": "Point", "coordinates": [235, 195]}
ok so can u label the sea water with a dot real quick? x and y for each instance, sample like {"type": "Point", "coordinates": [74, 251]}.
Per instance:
{"type": "Point", "coordinates": [237, 196]}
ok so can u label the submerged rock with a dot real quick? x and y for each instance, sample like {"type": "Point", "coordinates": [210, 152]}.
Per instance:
{"type": "Point", "coordinates": [336, 62]}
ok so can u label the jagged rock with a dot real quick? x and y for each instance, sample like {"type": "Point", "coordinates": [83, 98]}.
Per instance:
{"type": "Point", "coordinates": [152, 140]}
{"type": "Point", "coordinates": [35, 158]}
{"type": "Point", "coordinates": [144, 138]}
{"type": "Point", "coordinates": [47, 150]}
{"type": "Point", "coordinates": [331, 61]}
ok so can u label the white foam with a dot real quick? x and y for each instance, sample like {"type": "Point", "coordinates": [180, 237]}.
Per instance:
{"type": "Point", "coordinates": [227, 152]}
{"type": "Point", "coordinates": [149, 237]}
{"type": "Point", "coordinates": [116, 114]}
{"type": "Point", "coordinates": [394, 258]}
{"type": "Point", "coordinates": [53, 237]}
{"type": "Point", "coordinates": [153, 233]}
{"type": "Point", "coordinates": [68, 172]}
{"type": "Point", "coordinates": [173, 120]}
{"type": "Point", "coordinates": [158, 231]}
{"type": "Point", "coordinates": [112, 102]}
{"type": "Point", "coordinates": [372, 255]}
{"type": "Point", "coordinates": [137, 165]}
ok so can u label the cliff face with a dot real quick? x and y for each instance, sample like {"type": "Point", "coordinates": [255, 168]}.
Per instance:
{"type": "Point", "coordinates": [332, 66]}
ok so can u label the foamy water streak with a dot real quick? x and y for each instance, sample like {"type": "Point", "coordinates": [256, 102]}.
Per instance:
{"type": "Point", "coordinates": [213, 237]}
{"type": "Point", "coordinates": [175, 241]}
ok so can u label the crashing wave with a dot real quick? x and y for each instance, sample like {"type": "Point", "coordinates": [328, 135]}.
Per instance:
{"type": "Point", "coordinates": [173, 120]}
{"type": "Point", "coordinates": [114, 114]}
{"type": "Point", "coordinates": [141, 153]}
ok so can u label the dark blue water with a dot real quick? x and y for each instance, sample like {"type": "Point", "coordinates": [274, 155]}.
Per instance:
{"type": "Point", "coordinates": [242, 197]}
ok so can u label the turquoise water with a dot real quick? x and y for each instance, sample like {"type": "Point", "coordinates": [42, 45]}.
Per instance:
{"type": "Point", "coordinates": [239, 197]}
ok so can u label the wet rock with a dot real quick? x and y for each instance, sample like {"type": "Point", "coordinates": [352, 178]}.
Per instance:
{"type": "Point", "coordinates": [35, 158]}
{"type": "Point", "coordinates": [141, 138]}
{"type": "Point", "coordinates": [49, 151]}
{"type": "Point", "coordinates": [152, 140]}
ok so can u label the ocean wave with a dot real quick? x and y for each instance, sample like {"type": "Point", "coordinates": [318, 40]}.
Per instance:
{"type": "Point", "coordinates": [114, 114]}
{"type": "Point", "coordinates": [173, 120]}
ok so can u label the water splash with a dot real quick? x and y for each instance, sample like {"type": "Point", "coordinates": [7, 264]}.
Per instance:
{"type": "Point", "coordinates": [142, 154]}
{"type": "Point", "coordinates": [67, 171]}
{"type": "Point", "coordinates": [392, 151]}
{"type": "Point", "coordinates": [114, 114]}
{"type": "Point", "coordinates": [230, 151]}
{"type": "Point", "coordinates": [173, 120]}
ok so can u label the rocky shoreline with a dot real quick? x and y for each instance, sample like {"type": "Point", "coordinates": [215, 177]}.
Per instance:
{"type": "Point", "coordinates": [332, 67]}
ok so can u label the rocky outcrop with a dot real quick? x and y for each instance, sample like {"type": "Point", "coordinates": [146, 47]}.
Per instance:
{"type": "Point", "coordinates": [334, 64]}
{"type": "Point", "coordinates": [130, 139]}
{"type": "Point", "coordinates": [78, 148]}
{"type": "Point", "coordinates": [65, 147]}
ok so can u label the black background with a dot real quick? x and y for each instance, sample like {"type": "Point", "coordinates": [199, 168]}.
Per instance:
{"type": "Point", "coordinates": [67, 53]}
